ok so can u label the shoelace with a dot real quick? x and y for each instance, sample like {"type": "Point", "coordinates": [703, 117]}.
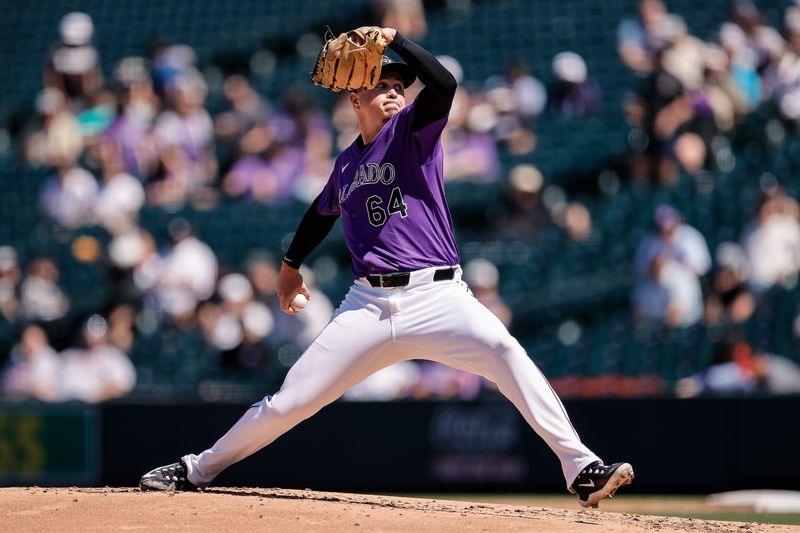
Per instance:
{"type": "Point", "coordinates": [175, 472]}
{"type": "Point", "coordinates": [595, 469]}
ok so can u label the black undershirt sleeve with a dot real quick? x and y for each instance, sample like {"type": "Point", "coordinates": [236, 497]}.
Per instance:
{"type": "Point", "coordinates": [435, 99]}
{"type": "Point", "coordinates": [312, 230]}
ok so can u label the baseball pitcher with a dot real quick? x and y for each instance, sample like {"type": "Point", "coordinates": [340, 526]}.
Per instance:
{"type": "Point", "coordinates": [408, 300]}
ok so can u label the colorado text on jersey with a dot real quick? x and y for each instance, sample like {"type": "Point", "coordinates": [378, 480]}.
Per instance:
{"type": "Point", "coordinates": [368, 174]}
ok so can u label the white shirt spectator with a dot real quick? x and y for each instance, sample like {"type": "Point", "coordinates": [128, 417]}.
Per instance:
{"type": "Point", "coordinates": [96, 374]}
{"type": "Point", "coordinates": [60, 140]}
{"type": "Point", "coordinates": [40, 296]}
{"type": "Point", "coordinates": [685, 294]}
{"type": "Point", "coordinates": [670, 294]}
{"type": "Point", "coordinates": [119, 200]}
{"type": "Point", "coordinates": [69, 198]}
{"type": "Point", "coordinates": [773, 248]}
{"type": "Point", "coordinates": [183, 277]}
{"type": "Point", "coordinates": [691, 249]}
{"type": "Point", "coordinates": [193, 133]}
{"type": "Point", "coordinates": [678, 240]}
{"type": "Point", "coordinates": [33, 371]}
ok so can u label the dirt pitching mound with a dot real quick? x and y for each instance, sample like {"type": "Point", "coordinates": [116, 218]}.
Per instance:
{"type": "Point", "coordinates": [50, 510]}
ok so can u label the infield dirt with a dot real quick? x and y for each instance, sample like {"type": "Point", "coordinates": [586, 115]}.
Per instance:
{"type": "Point", "coordinates": [51, 510]}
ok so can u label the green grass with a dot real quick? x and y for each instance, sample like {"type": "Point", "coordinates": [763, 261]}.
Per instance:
{"type": "Point", "coordinates": [680, 506]}
{"type": "Point", "coordinates": [743, 516]}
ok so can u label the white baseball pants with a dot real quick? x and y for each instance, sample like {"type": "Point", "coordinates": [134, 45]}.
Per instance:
{"type": "Point", "coordinates": [376, 327]}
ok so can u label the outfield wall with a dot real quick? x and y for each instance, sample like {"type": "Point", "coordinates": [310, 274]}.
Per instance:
{"type": "Point", "coordinates": [680, 446]}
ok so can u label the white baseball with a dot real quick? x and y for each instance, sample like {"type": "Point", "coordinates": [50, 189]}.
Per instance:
{"type": "Point", "coordinates": [299, 302]}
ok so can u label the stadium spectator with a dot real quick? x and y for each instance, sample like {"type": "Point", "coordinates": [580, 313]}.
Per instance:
{"type": "Point", "coordinates": [681, 102]}
{"type": "Point", "coordinates": [639, 39]}
{"type": "Point", "coordinates": [683, 54]}
{"type": "Point", "coordinates": [690, 152]}
{"type": "Point", "coordinates": [576, 220]}
{"type": "Point", "coordinates": [744, 62]}
{"type": "Point", "coordinates": [121, 325]}
{"type": "Point", "coordinates": [408, 16]}
{"type": "Point", "coordinates": [100, 112]}
{"type": "Point", "coordinates": [344, 123]}
{"type": "Point", "coordinates": [772, 241]}
{"type": "Point", "coordinates": [723, 94]}
{"type": "Point", "coordinates": [691, 114]}
{"type": "Point", "coordinates": [470, 151]}
{"type": "Point", "coordinates": [573, 94]}
{"type": "Point", "coordinates": [525, 214]}
{"type": "Point", "coordinates": [57, 139]}
{"type": "Point", "coordinates": [68, 196]}
{"type": "Point", "coordinates": [33, 371]}
{"type": "Point", "coordinates": [675, 240]}
{"type": "Point", "coordinates": [301, 126]}
{"type": "Point", "coordinates": [483, 279]}
{"type": "Point", "coordinates": [667, 294]}
{"type": "Point", "coordinates": [761, 41]}
{"type": "Point", "coordinates": [530, 94]}
{"type": "Point", "coordinates": [95, 371]}
{"type": "Point", "coordinates": [121, 195]}
{"type": "Point", "coordinates": [737, 368]}
{"type": "Point", "coordinates": [247, 109]}
{"type": "Point", "coordinates": [510, 119]}
{"type": "Point", "coordinates": [10, 278]}
{"type": "Point", "coordinates": [184, 134]}
{"type": "Point", "coordinates": [40, 296]}
{"type": "Point", "coordinates": [669, 264]}
{"type": "Point", "coordinates": [74, 65]}
{"type": "Point", "coordinates": [241, 325]}
{"type": "Point", "coordinates": [170, 62]}
{"type": "Point", "coordinates": [182, 276]}
{"type": "Point", "coordinates": [131, 255]}
{"type": "Point", "coordinates": [130, 134]}
{"type": "Point", "coordinates": [791, 24]}
{"type": "Point", "coordinates": [730, 299]}
{"type": "Point", "coordinates": [267, 170]}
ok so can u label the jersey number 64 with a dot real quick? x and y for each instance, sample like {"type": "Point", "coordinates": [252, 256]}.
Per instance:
{"type": "Point", "coordinates": [378, 215]}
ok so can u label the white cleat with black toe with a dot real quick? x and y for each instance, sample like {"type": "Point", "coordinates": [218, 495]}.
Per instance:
{"type": "Point", "coordinates": [598, 481]}
{"type": "Point", "coordinates": [167, 478]}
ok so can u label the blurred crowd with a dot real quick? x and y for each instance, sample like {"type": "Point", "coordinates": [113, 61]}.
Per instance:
{"type": "Point", "coordinates": [693, 95]}
{"type": "Point", "coordinates": [142, 136]}
{"type": "Point", "coordinates": [694, 91]}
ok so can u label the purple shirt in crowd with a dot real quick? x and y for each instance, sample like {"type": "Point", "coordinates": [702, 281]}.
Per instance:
{"type": "Point", "coordinates": [390, 195]}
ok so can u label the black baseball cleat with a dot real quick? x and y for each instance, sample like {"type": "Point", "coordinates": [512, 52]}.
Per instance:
{"type": "Point", "coordinates": [170, 478]}
{"type": "Point", "coordinates": [598, 481]}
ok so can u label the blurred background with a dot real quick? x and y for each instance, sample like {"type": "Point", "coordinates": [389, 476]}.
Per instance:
{"type": "Point", "coordinates": [623, 178]}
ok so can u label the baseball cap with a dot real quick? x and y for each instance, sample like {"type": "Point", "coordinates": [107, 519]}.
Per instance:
{"type": "Point", "coordinates": [569, 66]}
{"type": "Point", "coordinates": [76, 28]}
{"type": "Point", "coordinates": [401, 69]}
{"type": "Point", "coordinates": [666, 215]}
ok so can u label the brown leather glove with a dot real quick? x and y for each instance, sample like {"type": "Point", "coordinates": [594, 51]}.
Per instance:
{"type": "Point", "coordinates": [350, 61]}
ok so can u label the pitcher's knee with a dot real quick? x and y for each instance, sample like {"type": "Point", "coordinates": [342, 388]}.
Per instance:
{"type": "Point", "coordinates": [509, 349]}
{"type": "Point", "coordinates": [295, 408]}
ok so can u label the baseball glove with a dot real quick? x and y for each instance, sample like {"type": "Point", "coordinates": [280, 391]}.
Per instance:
{"type": "Point", "coordinates": [350, 61]}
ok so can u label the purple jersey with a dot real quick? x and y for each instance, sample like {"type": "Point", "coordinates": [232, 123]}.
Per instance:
{"type": "Point", "coordinates": [390, 195]}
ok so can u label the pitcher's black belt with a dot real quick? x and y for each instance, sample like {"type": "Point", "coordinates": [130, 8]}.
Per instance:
{"type": "Point", "coordinates": [401, 279]}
